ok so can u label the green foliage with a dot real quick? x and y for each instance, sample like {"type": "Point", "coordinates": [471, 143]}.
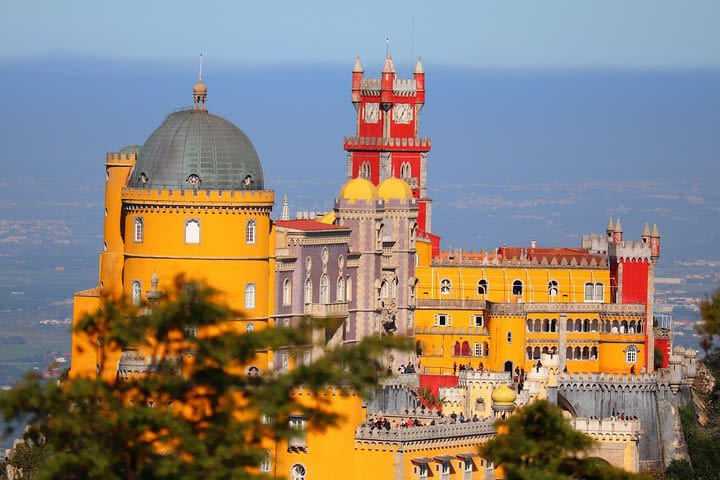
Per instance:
{"type": "Point", "coordinates": [200, 416]}
{"type": "Point", "coordinates": [679, 470]}
{"type": "Point", "coordinates": [537, 443]}
{"type": "Point", "coordinates": [429, 399]}
{"type": "Point", "coordinates": [25, 458]}
{"type": "Point", "coordinates": [657, 358]}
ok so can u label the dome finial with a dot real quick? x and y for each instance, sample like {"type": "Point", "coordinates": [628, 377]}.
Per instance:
{"type": "Point", "coordinates": [200, 91]}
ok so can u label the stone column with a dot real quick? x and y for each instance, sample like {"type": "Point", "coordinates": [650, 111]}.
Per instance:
{"type": "Point", "coordinates": [562, 341]}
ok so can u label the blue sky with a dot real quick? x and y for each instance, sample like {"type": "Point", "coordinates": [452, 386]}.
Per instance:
{"type": "Point", "coordinates": [546, 117]}
{"type": "Point", "coordinates": [567, 34]}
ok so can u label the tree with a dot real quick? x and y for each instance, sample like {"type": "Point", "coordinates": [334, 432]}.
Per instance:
{"type": "Point", "coordinates": [709, 326]}
{"type": "Point", "coordinates": [538, 443]}
{"type": "Point", "coordinates": [197, 415]}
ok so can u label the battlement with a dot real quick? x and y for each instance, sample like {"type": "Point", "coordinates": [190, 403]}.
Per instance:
{"type": "Point", "coordinates": [448, 432]}
{"type": "Point", "coordinates": [485, 376]}
{"type": "Point", "coordinates": [404, 86]}
{"type": "Point", "coordinates": [629, 250]}
{"type": "Point", "coordinates": [595, 243]}
{"type": "Point", "coordinates": [607, 428]}
{"type": "Point", "coordinates": [387, 144]}
{"type": "Point", "coordinates": [120, 158]}
{"type": "Point", "coordinates": [183, 197]}
{"type": "Point", "coordinates": [461, 260]}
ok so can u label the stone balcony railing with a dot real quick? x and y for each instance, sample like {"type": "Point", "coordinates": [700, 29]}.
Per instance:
{"type": "Point", "coordinates": [425, 433]}
{"type": "Point", "coordinates": [532, 307]}
{"type": "Point", "coordinates": [326, 310]}
{"type": "Point", "coordinates": [606, 426]}
{"type": "Point", "coordinates": [451, 304]}
{"type": "Point", "coordinates": [484, 376]}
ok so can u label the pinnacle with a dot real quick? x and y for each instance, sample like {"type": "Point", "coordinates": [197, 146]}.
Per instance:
{"type": "Point", "coordinates": [610, 226]}
{"type": "Point", "coordinates": [389, 66]}
{"type": "Point", "coordinates": [358, 68]}
{"type": "Point", "coordinates": [646, 230]}
{"type": "Point", "coordinates": [618, 227]}
{"type": "Point", "coordinates": [655, 232]}
{"type": "Point", "coordinates": [419, 66]}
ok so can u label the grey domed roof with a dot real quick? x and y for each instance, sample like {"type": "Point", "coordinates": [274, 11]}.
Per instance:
{"type": "Point", "coordinates": [130, 149]}
{"type": "Point", "coordinates": [193, 143]}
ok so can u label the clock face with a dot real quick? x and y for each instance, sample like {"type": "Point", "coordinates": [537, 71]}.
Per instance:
{"type": "Point", "coordinates": [193, 179]}
{"type": "Point", "coordinates": [402, 113]}
{"type": "Point", "coordinates": [372, 112]}
{"type": "Point", "coordinates": [247, 180]}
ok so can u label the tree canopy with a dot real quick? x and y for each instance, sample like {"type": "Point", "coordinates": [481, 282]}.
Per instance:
{"type": "Point", "coordinates": [198, 414]}
{"type": "Point", "coordinates": [538, 443]}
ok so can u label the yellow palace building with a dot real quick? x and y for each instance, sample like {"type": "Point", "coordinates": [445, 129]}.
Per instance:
{"type": "Point", "coordinates": [192, 200]}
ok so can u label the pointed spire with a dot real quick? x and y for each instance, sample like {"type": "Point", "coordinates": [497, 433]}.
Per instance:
{"type": "Point", "coordinates": [285, 215]}
{"type": "Point", "coordinates": [419, 66]}
{"type": "Point", "coordinates": [200, 91]}
{"type": "Point", "coordinates": [655, 232]}
{"type": "Point", "coordinates": [358, 68]}
{"type": "Point", "coordinates": [610, 227]}
{"type": "Point", "coordinates": [389, 66]}
{"type": "Point", "coordinates": [646, 230]}
{"type": "Point", "coordinates": [618, 227]}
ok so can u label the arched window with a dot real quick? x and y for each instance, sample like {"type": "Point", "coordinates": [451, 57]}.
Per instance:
{"type": "Point", "coordinates": [528, 353]}
{"type": "Point", "coordinates": [538, 325]}
{"type": "Point", "coordinates": [266, 462]}
{"type": "Point", "coordinates": [631, 354]}
{"type": "Point", "coordinates": [192, 231]}
{"type": "Point", "coordinates": [569, 353]}
{"type": "Point", "coordinates": [577, 353]}
{"type": "Point", "coordinates": [465, 349]}
{"type": "Point", "coordinates": [340, 292]}
{"type": "Point", "coordinates": [287, 292]}
{"type": "Point", "coordinates": [379, 239]}
{"type": "Point", "coordinates": [553, 325]}
{"type": "Point", "coordinates": [569, 325]}
{"type": "Point", "coordinates": [308, 291]}
{"type": "Point", "coordinates": [457, 349]}
{"type": "Point", "coordinates": [517, 287]}
{"type": "Point", "coordinates": [536, 353]}
{"type": "Point", "coordinates": [384, 289]}
{"type": "Point", "coordinates": [589, 292]}
{"type": "Point", "coordinates": [529, 325]}
{"type": "Point", "coordinates": [417, 260]}
{"type": "Point", "coordinates": [586, 353]}
{"type": "Point", "coordinates": [297, 472]}
{"type": "Point", "coordinates": [250, 232]}
{"type": "Point", "coordinates": [324, 290]}
{"type": "Point", "coordinates": [405, 171]}
{"type": "Point", "coordinates": [139, 230]}
{"type": "Point", "coordinates": [482, 287]}
{"type": "Point", "coordinates": [546, 325]}
{"type": "Point", "coordinates": [445, 286]}
{"type": "Point", "coordinates": [593, 353]}
{"type": "Point", "coordinates": [393, 288]}
{"type": "Point", "coordinates": [413, 236]}
{"type": "Point", "coordinates": [136, 293]}
{"type": "Point", "coordinates": [250, 296]}
{"type": "Point", "coordinates": [249, 327]}
{"type": "Point", "coordinates": [552, 288]}
{"type": "Point", "coordinates": [364, 170]}
{"type": "Point", "coordinates": [599, 292]}
{"type": "Point", "coordinates": [348, 288]}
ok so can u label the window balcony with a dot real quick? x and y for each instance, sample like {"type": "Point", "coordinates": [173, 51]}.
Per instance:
{"type": "Point", "coordinates": [327, 310]}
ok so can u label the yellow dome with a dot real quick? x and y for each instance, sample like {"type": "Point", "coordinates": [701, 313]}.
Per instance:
{"type": "Point", "coordinates": [358, 189]}
{"type": "Point", "coordinates": [394, 188]}
{"type": "Point", "coordinates": [503, 395]}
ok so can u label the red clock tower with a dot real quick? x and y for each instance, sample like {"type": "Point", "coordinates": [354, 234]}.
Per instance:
{"type": "Point", "coordinates": [386, 143]}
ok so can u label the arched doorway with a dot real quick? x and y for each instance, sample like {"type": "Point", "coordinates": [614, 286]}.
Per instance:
{"type": "Point", "coordinates": [508, 366]}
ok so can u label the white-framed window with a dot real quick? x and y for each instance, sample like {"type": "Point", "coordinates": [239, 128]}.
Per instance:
{"type": "Point", "coordinates": [517, 287]}
{"type": "Point", "coordinates": [266, 462]}
{"type": "Point", "coordinates": [308, 291]}
{"type": "Point", "coordinates": [250, 232]}
{"type": "Point", "coordinates": [444, 469]}
{"type": "Point", "coordinates": [393, 288]}
{"type": "Point", "coordinates": [467, 465]}
{"type": "Point", "coordinates": [287, 292]}
{"type": "Point", "coordinates": [599, 292]}
{"type": "Point", "coordinates": [348, 289]}
{"type": "Point", "coordinates": [631, 354]}
{"type": "Point", "coordinates": [340, 292]}
{"type": "Point", "coordinates": [284, 361]}
{"type": "Point", "coordinates": [192, 231]}
{"type": "Point", "coordinates": [307, 357]}
{"type": "Point", "coordinates": [422, 471]}
{"type": "Point", "coordinates": [443, 320]}
{"type": "Point", "coordinates": [589, 292]}
{"type": "Point", "coordinates": [552, 288]}
{"type": "Point", "coordinates": [384, 289]}
{"type": "Point", "coordinates": [477, 320]}
{"type": "Point", "coordinates": [138, 229]}
{"type": "Point", "coordinates": [478, 350]}
{"type": "Point", "coordinates": [249, 327]}
{"type": "Point", "coordinates": [482, 287]}
{"type": "Point", "coordinates": [364, 170]}
{"type": "Point", "coordinates": [405, 171]}
{"type": "Point", "coordinates": [250, 296]}
{"type": "Point", "coordinates": [136, 293]}
{"type": "Point", "coordinates": [445, 286]}
{"type": "Point", "coordinates": [298, 472]}
{"type": "Point", "coordinates": [324, 290]}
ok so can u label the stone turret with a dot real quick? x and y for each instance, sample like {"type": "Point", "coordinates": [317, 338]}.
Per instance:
{"type": "Point", "coordinates": [357, 75]}
{"type": "Point", "coordinates": [618, 233]}
{"type": "Point", "coordinates": [610, 229]}
{"type": "Point", "coordinates": [655, 244]}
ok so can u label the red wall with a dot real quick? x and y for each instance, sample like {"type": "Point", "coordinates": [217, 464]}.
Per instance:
{"type": "Point", "coordinates": [663, 345]}
{"type": "Point", "coordinates": [434, 382]}
{"type": "Point", "coordinates": [635, 282]}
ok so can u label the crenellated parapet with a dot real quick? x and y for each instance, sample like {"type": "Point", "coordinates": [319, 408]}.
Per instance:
{"type": "Point", "coordinates": [387, 144]}
{"type": "Point", "coordinates": [191, 197]}
{"type": "Point", "coordinates": [430, 436]}
{"type": "Point", "coordinates": [608, 429]}
{"type": "Point", "coordinates": [630, 251]}
{"type": "Point", "coordinates": [618, 382]}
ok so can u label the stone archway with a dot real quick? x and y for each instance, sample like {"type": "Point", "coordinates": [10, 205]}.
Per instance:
{"type": "Point", "coordinates": [508, 366]}
{"type": "Point", "coordinates": [565, 405]}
